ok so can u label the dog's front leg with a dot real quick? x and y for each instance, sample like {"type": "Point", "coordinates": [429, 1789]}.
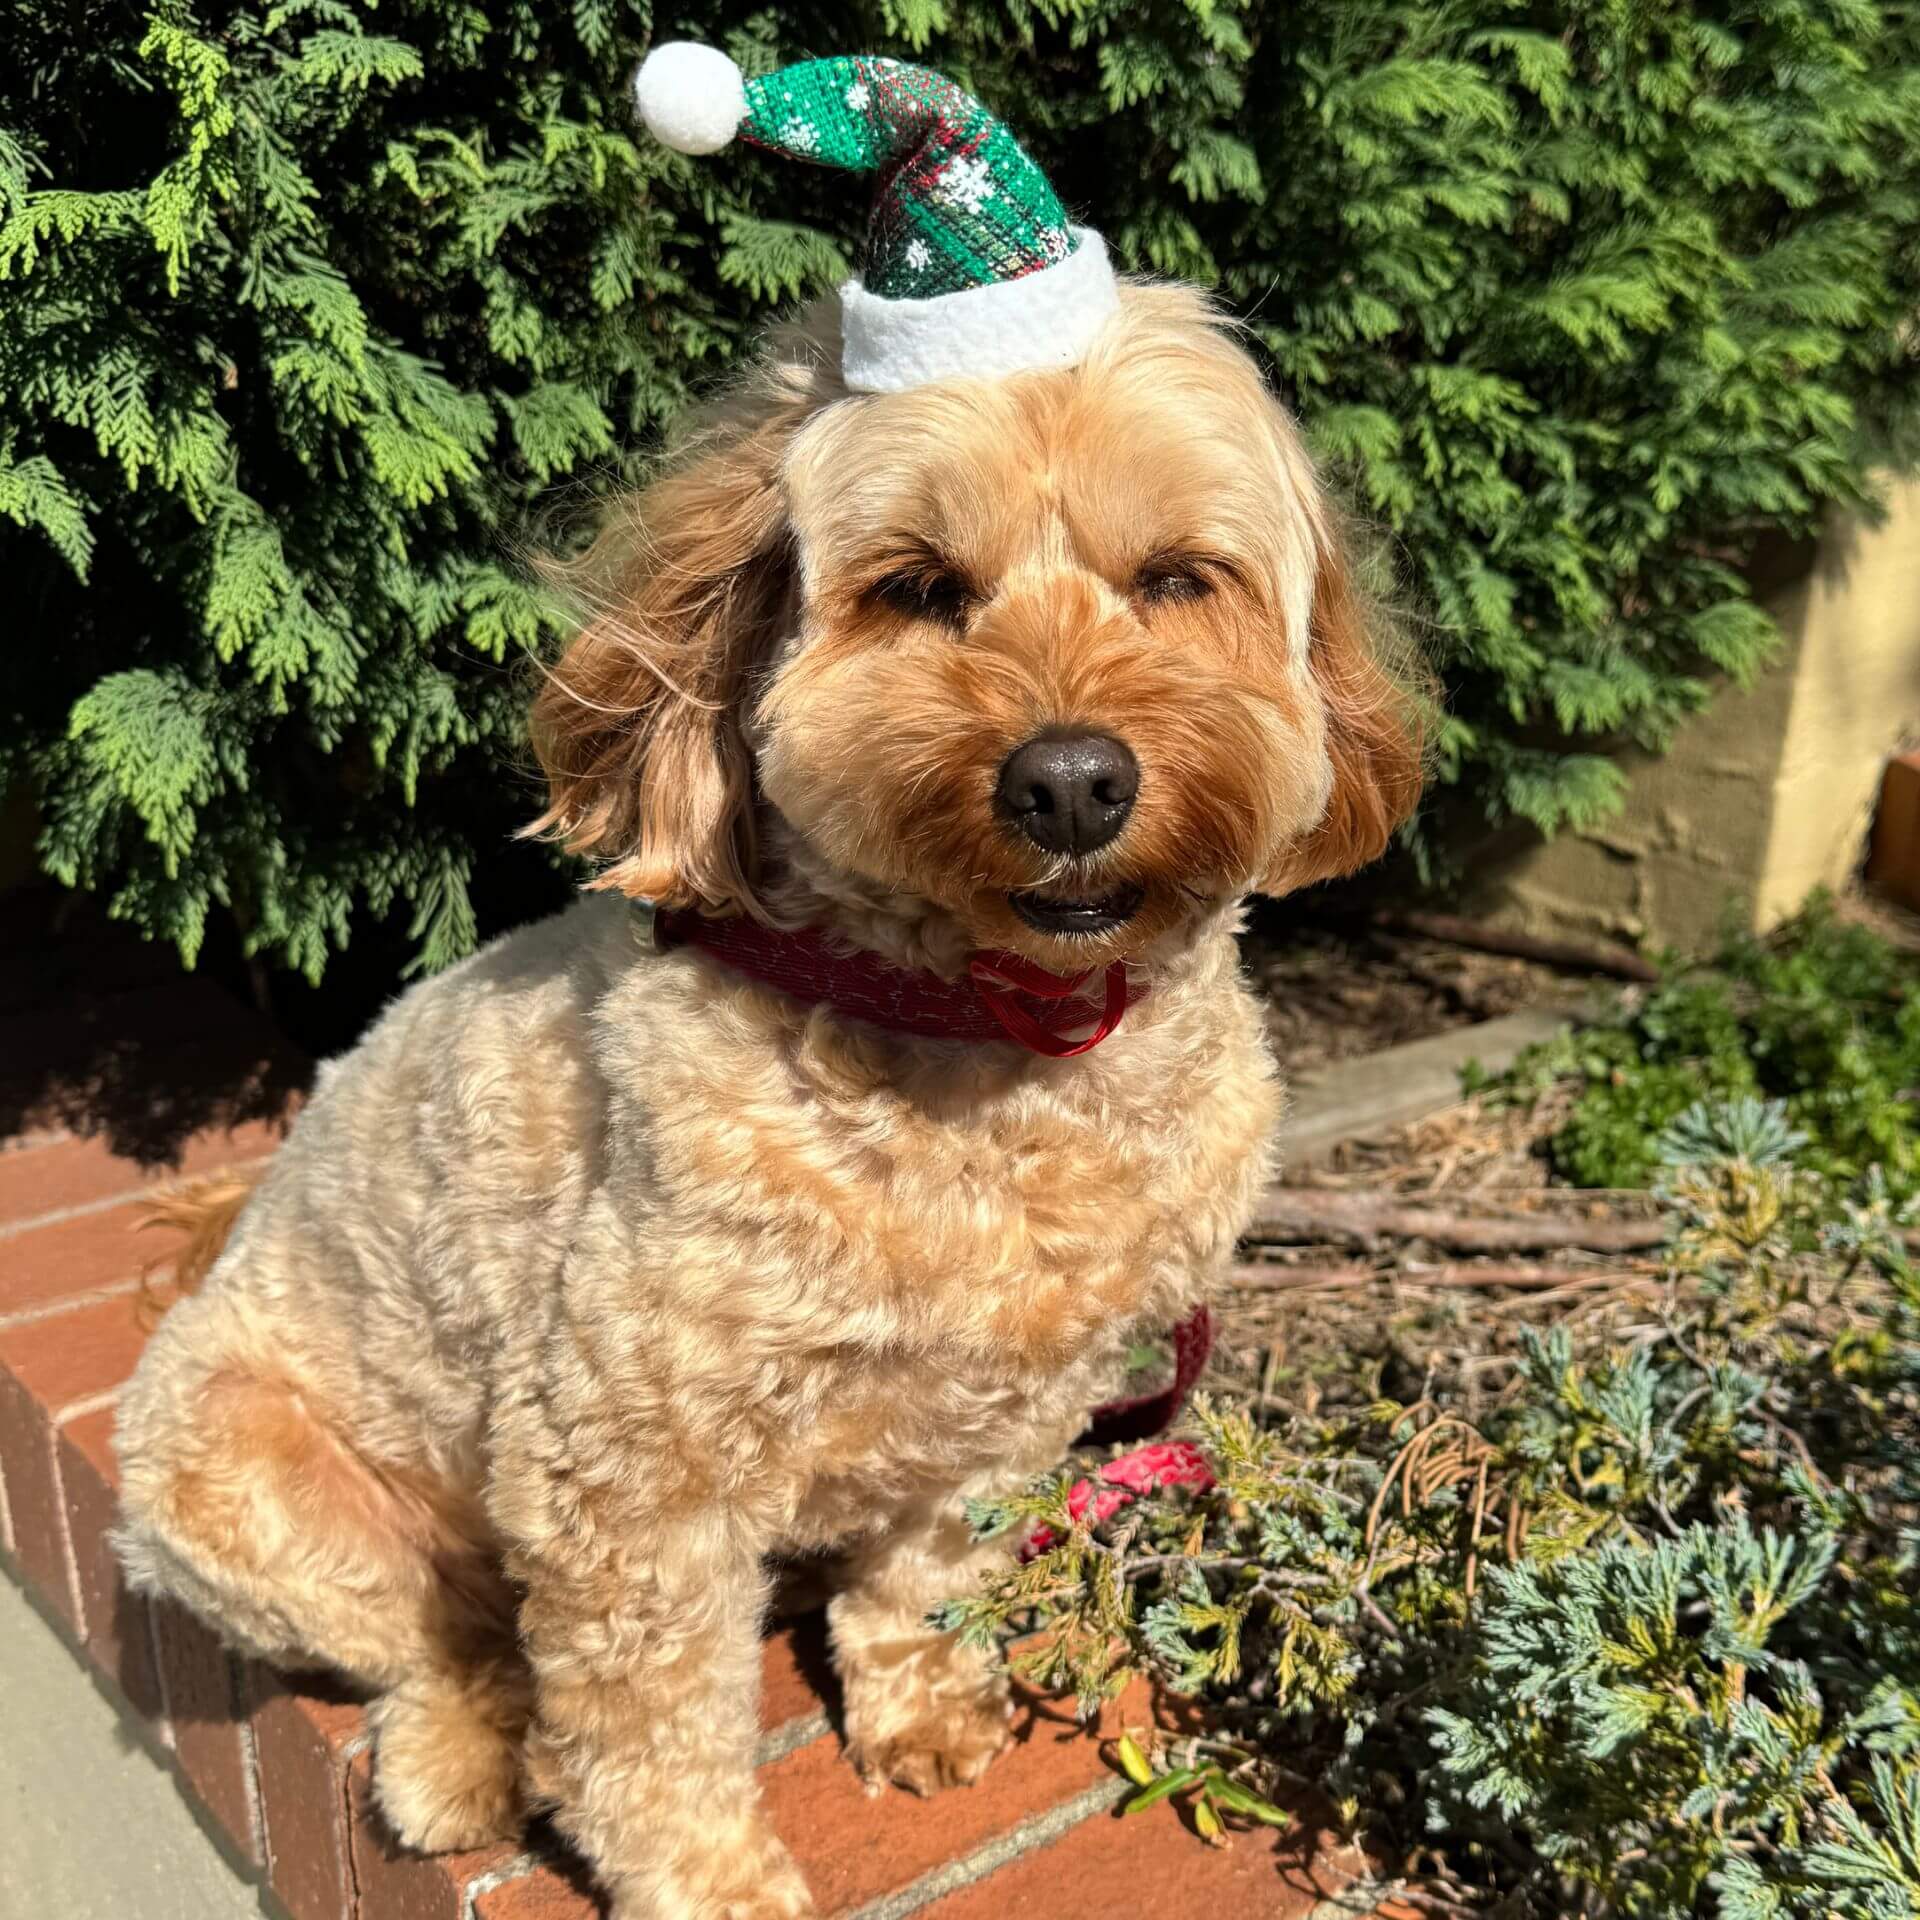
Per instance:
{"type": "Point", "coordinates": [923, 1711]}
{"type": "Point", "coordinates": [646, 1658]}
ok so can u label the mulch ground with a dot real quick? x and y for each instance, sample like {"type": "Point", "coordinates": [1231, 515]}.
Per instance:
{"type": "Point", "coordinates": [1318, 1324]}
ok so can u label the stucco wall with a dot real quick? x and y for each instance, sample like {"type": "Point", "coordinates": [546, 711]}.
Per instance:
{"type": "Point", "coordinates": [1770, 792]}
{"type": "Point", "coordinates": [1856, 697]}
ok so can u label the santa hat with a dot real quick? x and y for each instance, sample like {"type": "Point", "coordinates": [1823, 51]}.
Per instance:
{"type": "Point", "coordinates": [971, 267]}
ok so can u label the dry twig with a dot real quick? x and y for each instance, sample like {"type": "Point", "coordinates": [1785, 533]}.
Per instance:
{"type": "Point", "coordinates": [1365, 1220]}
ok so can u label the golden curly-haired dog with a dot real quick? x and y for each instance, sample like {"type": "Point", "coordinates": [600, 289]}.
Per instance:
{"type": "Point", "coordinates": [596, 1276]}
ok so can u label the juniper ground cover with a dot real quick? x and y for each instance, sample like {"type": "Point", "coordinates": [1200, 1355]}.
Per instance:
{"type": "Point", "coordinates": [1622, 1617]}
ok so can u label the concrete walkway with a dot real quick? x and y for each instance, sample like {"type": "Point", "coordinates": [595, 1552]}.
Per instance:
{"type": "Point", "coordinates": [92, 1827]}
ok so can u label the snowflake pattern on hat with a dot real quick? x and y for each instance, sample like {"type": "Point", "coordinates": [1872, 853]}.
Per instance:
{"type": "Point", "coordinates": [952, 176]}
{"type": "Point", "coordinates": [971, 269]}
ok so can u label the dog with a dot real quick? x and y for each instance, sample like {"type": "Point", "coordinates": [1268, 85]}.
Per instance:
{"type": "Point", "coordinates": [598, 1275]}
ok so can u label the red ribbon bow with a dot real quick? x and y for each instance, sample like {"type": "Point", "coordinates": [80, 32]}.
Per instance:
{"type": "Point", "coordinates": [998, 976]}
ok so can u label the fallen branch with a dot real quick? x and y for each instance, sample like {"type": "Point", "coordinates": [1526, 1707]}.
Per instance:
{"type": "Point", "coordinates": [1367, 1220]}
{"type": "Point", "coordinates": [1503, 1275]}
{"type": "Point", "coordinates": [1622, 963]}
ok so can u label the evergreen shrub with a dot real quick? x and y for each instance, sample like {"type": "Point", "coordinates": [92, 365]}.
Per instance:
{"type": "Point", "coordinates": [1821, 1015]}
{"type": "Point", "coordinates": [309, 310]}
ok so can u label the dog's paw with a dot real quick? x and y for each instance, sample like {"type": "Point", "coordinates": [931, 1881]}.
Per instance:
{"type": "Point", "coordinates": [951, 1743]}
{"type": "Point", "coordinates": [768, 1903]}
{"type": "Point", "coordinates": [446, 1774]}
{"type": "Point", "coordinates": [748, 1875]}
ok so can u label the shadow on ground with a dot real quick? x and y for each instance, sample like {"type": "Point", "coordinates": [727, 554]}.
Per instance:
{"type": "Point", "coordinates": [103, 1036]}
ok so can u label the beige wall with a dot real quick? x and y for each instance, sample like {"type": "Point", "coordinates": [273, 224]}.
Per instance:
{"type": "Point", "coordinates": [1769, 793]}
{"type": "Point", "coordinates": [1856, 697]}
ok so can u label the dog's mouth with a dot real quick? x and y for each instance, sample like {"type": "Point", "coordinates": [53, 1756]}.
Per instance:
{"type": "Point", "coordinates": [1046, 913]}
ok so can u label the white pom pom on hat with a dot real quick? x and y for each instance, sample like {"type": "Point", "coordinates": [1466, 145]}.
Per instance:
{"type": "Point", "coordinates": [691, 98]}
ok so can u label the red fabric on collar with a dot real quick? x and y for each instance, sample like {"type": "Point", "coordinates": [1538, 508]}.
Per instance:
{"type": "Point", "coordinates": [1003, 997]}
{"type": "Point", "coordinates": [1145, 1414]}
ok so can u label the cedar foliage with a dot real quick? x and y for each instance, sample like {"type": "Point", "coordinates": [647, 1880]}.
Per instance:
{"type": "Point", "coordinates": [308, 308]}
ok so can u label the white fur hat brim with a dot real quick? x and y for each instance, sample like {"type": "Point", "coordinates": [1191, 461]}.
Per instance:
{"type": "Point", "coordinates": [1045, 320]}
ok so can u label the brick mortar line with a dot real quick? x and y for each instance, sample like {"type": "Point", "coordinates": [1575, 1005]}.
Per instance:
{"type": "Point", "coordinates": [124, 1196]}
{"type": "Point", "coordinates": [240, 1706]}
{"type": "Point", "coordinates": [790, 1736]}
{"type": "Point", "coordinates": [86, 1404]}
{"type": "Point", "coordinates": [163, 1725]}
{"type": "Point", "coordinates": [1041, 1830]}
{"type": "Point", "coordinates": [52, 1309]}
{"type": "Point", "coordinates": [80, 1210]}
{"type": "Point", "coordinates": [152, 1733]}
{"type": "Point", "coordinates": [69, 1560]}
{"type": "Point", "coordinates": [494, 1879]}
{"type": "Point", "coordinates": [350, 1825]}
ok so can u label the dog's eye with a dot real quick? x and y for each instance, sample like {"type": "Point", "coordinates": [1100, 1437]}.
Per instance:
{"type": "Point", "coordinates": [925, 593]}
{"type": "Point", "coordinates": [1163, 582]}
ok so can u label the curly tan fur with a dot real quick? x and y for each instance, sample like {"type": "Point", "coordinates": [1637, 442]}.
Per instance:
{"type": "Point", "coordinates": [595, 1278]}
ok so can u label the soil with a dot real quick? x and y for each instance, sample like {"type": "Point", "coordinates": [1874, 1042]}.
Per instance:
{"type": "Point", "coordinates": [1337, 989]}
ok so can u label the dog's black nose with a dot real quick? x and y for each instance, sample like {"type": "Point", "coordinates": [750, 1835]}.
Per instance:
{"type": "Point", "coordinates": [1069, 792]}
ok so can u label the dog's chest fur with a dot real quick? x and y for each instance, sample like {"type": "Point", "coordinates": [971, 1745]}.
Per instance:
{"type": "Point", "coordinates": [931, 1252]}
{"type": "Point", "coordinates": [766, 1247]}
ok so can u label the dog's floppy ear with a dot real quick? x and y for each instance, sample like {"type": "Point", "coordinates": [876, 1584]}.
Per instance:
{"type": "Point", "coordinates": [1373, 694]}
{"type": "Point", "coordinates": [638, 726]}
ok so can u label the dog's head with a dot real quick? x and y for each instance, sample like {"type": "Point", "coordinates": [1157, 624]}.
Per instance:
{"type": "Point", "coordinates": [1075, 657]}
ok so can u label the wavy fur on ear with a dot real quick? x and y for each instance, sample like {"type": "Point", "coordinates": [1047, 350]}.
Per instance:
{"type": "Point", "coordinates": [1376, 695]}
{"type": "Point", "coordinates": [638, 726]}
{"type": "Point", "coordinates": [202, 1214]}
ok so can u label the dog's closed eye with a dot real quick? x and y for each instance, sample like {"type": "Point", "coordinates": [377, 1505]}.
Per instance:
{"type": "Point", "coordinates": [1169, 578]}
{"type": "Point", "coordinates": [926, 590]}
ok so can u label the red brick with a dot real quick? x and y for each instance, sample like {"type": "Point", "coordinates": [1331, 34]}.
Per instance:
{"type": "Point", "coordinates": [64, 1358]}
{"type": "Point", "coordinates": [301, 1742]}
{"type": "Point", "coordinates": [211, 1737]}
{"type": "Point", "coordinates": [48, 1173]}
{"type": "Point", "coordinates": [113, 1621]}
{"type": "Point", "coordinates": [46, 1265]}
{"type": "Point", "coordinates": [796, 1673]}
{"type": "Point", "coordinates": [91, 1436]}
{"type": "Point", "coordinates": [397, 1885]}
{"type": "Point", "coordinates": [853, 1847]}
{"type": "Point", "coordinates": [558, 1889]}
{"type": "Point", "coordinates": [42, 1172]}
{"type": "Point", "coordinates": [35, 1509]}
{"type": "Point", "coordinates": [1151, 1863]}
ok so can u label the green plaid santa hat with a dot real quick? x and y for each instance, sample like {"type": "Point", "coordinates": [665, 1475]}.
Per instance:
{"type": "Point", "coordinates": [971, 267]}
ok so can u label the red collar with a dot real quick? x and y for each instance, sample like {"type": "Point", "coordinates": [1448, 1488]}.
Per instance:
{"type": "Point", "coordinates": [1002, 998]}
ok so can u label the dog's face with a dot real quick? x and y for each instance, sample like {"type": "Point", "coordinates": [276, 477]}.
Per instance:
{"type": "Point", "coordinates": [1071, 656]}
